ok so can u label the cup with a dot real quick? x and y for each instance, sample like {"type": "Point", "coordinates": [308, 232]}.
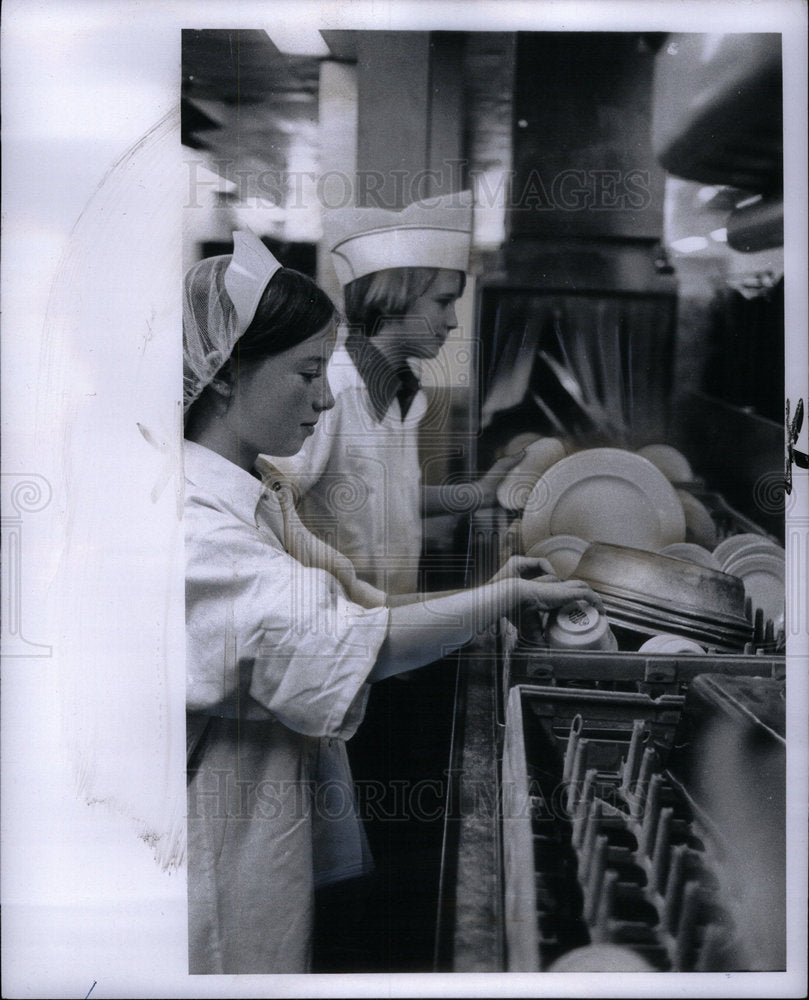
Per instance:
{"type": "Point", "coordinates": [578, 625]}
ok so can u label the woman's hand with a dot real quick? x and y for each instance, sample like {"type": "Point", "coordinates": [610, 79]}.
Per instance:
{"type": "Point", "coordinates": [547, 594]}
{"type": "Point", "coordinates": [488, 483]}
{"type": "Point", "coordinates": [524, 567]}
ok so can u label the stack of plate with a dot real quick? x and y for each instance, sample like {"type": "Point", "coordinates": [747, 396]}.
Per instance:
{"type": "Point", "coordinates": [761, 566]}
{"type": "Point", "coordinates": [692, 553]}
{"type": "Point", "coordinates": [652, 594]}
{"type": "Point", "coordinates": [604, 495]}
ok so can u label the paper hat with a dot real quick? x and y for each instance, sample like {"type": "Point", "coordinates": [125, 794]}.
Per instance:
{"type": "Point", "coordinates": [435, 232]}
{"type": "Point", "coordinates": [248, 274]}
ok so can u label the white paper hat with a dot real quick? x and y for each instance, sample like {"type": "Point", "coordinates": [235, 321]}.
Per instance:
{"type": "Point", "coordinates": [220, 298]}
{"type": "Point", "coordinates": [248, 275]}
{"type": "Point", "coordinates": [435, 232]}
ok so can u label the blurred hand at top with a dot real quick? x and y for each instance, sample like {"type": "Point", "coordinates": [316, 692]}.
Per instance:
{"type": "Point", "coordinates": [488, 483]}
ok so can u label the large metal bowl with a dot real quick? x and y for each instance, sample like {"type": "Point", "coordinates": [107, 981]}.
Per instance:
{"type": "Point", "coordinates": [663, 581]}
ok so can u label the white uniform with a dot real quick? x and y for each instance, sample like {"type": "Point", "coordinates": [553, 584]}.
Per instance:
{"type": "Point", "coordinates": [278, 652]}
{"type": "Point", "coordinates": [360, 479]}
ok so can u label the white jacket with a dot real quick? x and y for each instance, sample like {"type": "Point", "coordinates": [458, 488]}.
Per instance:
{"type": "Point", "coordinates": [360, 480]}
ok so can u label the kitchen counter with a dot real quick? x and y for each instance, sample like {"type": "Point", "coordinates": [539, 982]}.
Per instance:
{"type": "Point", "coordinates": [470, 935]}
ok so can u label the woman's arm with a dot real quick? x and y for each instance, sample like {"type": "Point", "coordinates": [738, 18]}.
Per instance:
{"type": "Point", "coordinates": [467, 497]}
{"type": "Point", "coordinates": [425, 631]}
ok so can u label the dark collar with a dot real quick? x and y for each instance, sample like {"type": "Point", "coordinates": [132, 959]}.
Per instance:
{"type": "Point", "coordinates": [384, 382]}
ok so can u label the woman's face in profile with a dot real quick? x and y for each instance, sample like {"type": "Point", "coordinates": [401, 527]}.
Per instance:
{"type": "Point", "coordinates": [275, 403]}
{"type": "Point", "coordinates": [430, 319]}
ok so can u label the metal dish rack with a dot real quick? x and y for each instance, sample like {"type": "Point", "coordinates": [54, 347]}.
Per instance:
{"type": "Point", "coordinates": [605, 840]}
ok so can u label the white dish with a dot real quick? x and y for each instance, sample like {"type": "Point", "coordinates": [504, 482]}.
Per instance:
{"type": "Point", "coordinates": [692, 552]}
{"type": "Point", "coordinates": [730, 549]}
{"type": "Point", "coordinates": [562, 552]}
{"type": "Point", "coordinates": [699, 525]}
{"type": "Point", "coordinates": [672, 463]}
{"type": "Point", "coordinates": [605, 495]}
{"type": "Point", "coordinates": [672, 644]}
{"type": "Point", "coordinates": [763, 575]}
{"type": "Point", "coordinates": [515, 487]}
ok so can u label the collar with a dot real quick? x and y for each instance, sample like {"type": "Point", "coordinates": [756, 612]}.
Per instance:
{"type": "Point", "coordinates": [237, 489]}
{"type": "Point", "coordinates": [384, 382]}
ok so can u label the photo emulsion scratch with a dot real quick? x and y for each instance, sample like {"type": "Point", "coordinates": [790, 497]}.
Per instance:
{"type": "Point", "coordinates": [93, 343]}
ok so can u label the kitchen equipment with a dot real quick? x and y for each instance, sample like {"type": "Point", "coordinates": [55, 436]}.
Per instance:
{"type": "Point", "coordinates": [645, 621]}
{"type": "Point", "coordinates": [661, 581]}
{"type": "Point", "coordinates": [607, 495]}
{"type": "Point", "coordinates": [605, 844]}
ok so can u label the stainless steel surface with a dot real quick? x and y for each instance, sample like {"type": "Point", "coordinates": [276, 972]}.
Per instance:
{"type": "Point", "coordinates": [630, 860]}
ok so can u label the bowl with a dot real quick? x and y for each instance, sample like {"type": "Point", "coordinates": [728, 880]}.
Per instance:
{"type": "Point", "coordinates": [663, 581]}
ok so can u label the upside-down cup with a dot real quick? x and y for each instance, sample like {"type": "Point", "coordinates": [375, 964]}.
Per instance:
{"type": "Point", "coordinates": [579, 626]}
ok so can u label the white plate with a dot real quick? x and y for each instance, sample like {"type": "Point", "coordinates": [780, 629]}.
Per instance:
{"type": "Point", "coordinates": [562, 552]}
{"type": "Point", "coordinates": [692, 552]}
{"type": "Point", "coordinates": [605, 495]}
{"type": "Point", "coordinates": [672, 644]}
{"type": "Point", "coordinates": [672, 463]}
{"type": "Point", "coordinates": [731, 548]}
{"type": "Point", "coordinates": [763, 575]}
{"type": "Point", "coordinates": [699, 525]}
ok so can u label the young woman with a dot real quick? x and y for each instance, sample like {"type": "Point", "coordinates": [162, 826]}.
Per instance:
{"type": "Point", "coordinates": [359, 479]}
{"type": "Point", "coordinates": [282, 639]}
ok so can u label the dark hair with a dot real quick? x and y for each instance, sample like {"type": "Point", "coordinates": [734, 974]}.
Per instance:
{"type": "Point", "coordinates": [291, 310]}
{"type": "Point", "coordinates": [378, 296]}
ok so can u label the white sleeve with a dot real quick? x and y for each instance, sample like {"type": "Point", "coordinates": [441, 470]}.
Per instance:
{"type": "Point", "coordinates": [263, 627]}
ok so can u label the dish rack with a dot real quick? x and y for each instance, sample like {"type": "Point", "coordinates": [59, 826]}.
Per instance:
{"type": "Point", "coordinates": [727, 519]}
{"type": "Point", "coordinates": [495, 536]}
{"type": "Point", "coordinates": [605, 838]}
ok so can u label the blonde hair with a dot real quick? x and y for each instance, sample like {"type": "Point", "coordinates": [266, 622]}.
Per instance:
{"type": "Point", "coordinates": [382, 295]}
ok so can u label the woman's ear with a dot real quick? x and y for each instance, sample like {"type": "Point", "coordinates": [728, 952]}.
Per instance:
{"type": "Point", "coordinates": [221, 387]}
{"type": "Point", "coordinates": [220, 395]}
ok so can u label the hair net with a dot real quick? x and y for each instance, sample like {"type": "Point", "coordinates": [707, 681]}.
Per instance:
{"type": "Point", "coordinates": [210, 326]}
{"type": "Point", "coordinates": [220, 297]}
